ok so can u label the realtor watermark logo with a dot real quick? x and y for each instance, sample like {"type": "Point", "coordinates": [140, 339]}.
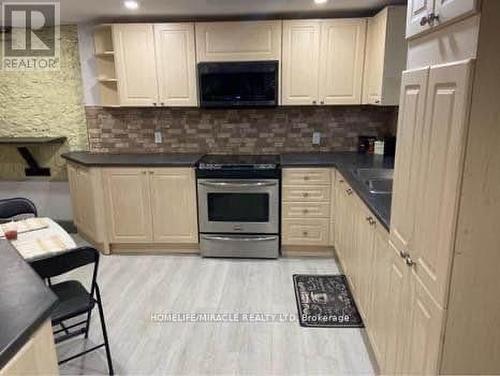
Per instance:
{"type": "Point", "coordinates": [31, 39]}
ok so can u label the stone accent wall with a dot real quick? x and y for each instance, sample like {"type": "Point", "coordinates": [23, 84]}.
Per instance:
{"type": "Point", "coordinates": [231, 131]}
{"type": "Point", "coordinates": [44, 104]}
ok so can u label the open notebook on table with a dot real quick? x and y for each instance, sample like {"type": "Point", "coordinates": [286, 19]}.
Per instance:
{"type": "Point", "coordinates": [25, 225]}
{"type": "Point", "coordinates": [44, 241]}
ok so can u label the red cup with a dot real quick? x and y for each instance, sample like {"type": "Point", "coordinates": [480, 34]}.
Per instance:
{"type": "Point", "coordinates": [10, 234]}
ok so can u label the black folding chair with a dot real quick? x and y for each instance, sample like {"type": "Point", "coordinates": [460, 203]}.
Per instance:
{"type": "Point", "coordinates": [10, 208]}
{"type": "Point", "coordinates": [74, 299]}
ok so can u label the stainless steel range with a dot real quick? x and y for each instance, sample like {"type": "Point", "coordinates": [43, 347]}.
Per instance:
{"type": "Point", "coordinates": [238, 205]}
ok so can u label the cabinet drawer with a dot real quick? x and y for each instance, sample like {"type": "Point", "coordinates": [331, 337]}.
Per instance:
{"type": "Point", "coordinates": [306, 210]}
{"type": "Point", "coordinates": [306, 176]}
{"type": "Point", "coordinates": [305, 232]}
{"type": "Point", "coordinates": [306, 194]}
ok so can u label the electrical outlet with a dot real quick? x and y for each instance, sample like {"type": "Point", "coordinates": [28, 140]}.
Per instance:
{"type": "Point", "coordinates": [316, 138]}
{"type": "Point", "coordinates": [158, 137]}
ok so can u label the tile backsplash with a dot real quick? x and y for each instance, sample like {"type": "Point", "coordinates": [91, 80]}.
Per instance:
{"type": "Point", "coordinates": [228, 131]}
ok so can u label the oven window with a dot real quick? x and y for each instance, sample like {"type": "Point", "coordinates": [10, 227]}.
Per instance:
{"type": "Point", "coordinates": [238, 207]}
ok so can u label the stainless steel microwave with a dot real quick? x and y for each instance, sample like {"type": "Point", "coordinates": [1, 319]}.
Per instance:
{"type": "Point", "coordinates": [238, 84]}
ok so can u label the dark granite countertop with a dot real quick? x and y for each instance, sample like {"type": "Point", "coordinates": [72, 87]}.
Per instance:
{"type": "Point", "coordinates": [346, 163]}
{"type": "Point", "coordinates": [31, 140]}
{"type": "Point", "coordinates": [25, 302]}
{"type": "Point", "coordinates": [129, 159]}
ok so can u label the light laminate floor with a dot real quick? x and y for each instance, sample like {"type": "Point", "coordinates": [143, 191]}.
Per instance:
{"type": "Point", "coordinates": [135, 287]}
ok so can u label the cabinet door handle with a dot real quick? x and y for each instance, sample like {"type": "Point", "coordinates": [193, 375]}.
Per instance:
{"type": "Point", "coordinates": [433, 17]}
{"type": "Point", "coordinates": [341, 181]}
{"type": "Point", "coordinates": [154, 103]}
{"type": "Point", "coordinates": [322, 102]}
{"type": "Point", "coordinates": [143, 172]}
{"type": "Point", "coordinates": [305, 211]}
{"type": "Point", "coordinates": [409, 261]}
{"type": "Point", "coordinates": [305, 233]}
{"type": "Point", "coordinates": [306, 177]}
{"type": "Point", "coordinates": [370, 220]}
{"type": "Point", "coordinates": [424, 21]}
{"type": "Point", "coordinates": [162, 103]}
{"type": "Point", "coordinates": [305, 194]}
{"type": "Point", "coordinates": [403, 254]}
{"type": "Point", "coordinates": [314, 102]}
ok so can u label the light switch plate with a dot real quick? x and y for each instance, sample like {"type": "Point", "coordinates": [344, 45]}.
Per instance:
{"type": "Point", "coordinates": [158, 137]}
{"type": "Point", "coordinates": [316, 138]}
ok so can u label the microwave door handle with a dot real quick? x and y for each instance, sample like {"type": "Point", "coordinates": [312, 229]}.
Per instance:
{"type": "Point", "coordinates": [237, 185]}
{"type": "Point", "coordinates": [249, 239]}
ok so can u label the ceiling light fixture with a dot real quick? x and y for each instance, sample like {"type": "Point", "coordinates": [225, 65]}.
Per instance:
{"type": "Point", "coordinates": [319, 2]}
{"type": "Point", "coordinates": [131, 4]}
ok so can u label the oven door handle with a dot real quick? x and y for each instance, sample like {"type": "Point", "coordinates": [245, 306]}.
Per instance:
{"type": "Point", "coordinates": [238, 185]}
{"type": "Point", "coordinates": [234, 239]}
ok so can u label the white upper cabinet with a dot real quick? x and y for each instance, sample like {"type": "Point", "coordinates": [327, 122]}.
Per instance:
{"type": "Point", "coordinates": [374, 62]}
{"type": "Point", "coordinates": [238, 41]}
{"type": "Point", "coordinates": [426, 14]}
{"type": "Point", "coordinates": [135, 64]}
{"type": "Point", "coordinates": [417, 16]}
{"type": "Point", "coordinates": [341, 61]}
{"type": "Point", "coordinates": [323, 61]}
{"type": "Point", "coordinates": [448, 10]}
{"type": "Point", "coordinates": [386, 50]}
{"type": "Point", "coordinates": [301, 45]}
{"type": "Point", "coordinates": [176, 64]}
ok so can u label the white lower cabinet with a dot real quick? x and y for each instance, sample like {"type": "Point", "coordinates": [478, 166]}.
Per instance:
{"type": "Point", "coordinates": [151, 205]}
{"type": "Point", "coordinates": [378, 311]}
{"type": "Point", "coordinates": [173, 205]}
{"type": "Point", "coordinates": [402, 320]}
{"type": "Point", "coordinates": [86, 201]}
{"type": "Point", "coordinates": [364, 232]}
{"type": "Point", "coordinates": [128, 206]}
{"type": "Point", "coordinates": [415, 323]}
{"type": "Point", "coordinates": [36, 357]}
{"type": "Point", "coordinates": [423, 331]}
{"type": "Point", "coordinates": [307, 213]}
{"type": "Point", "coordinates": [306, 231]}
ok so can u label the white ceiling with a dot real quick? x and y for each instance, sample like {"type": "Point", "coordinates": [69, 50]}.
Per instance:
{"type": "Point", "coordinates": [77, 11]}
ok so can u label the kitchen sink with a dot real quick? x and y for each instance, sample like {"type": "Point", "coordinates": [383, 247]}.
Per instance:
{"type": "Point", "coordinates": [378, 180]}
{"type": "Point", "coordinates": [374, 173]}
{"type": "Point", "coordinates": [380, 186]}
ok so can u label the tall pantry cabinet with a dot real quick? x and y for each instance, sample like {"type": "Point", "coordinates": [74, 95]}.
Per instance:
{"type": "Point", "coordinates": [446, 199]}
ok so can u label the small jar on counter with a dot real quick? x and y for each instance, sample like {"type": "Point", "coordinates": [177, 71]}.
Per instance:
{"type": "Point", "coordinates": [379, 147]}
